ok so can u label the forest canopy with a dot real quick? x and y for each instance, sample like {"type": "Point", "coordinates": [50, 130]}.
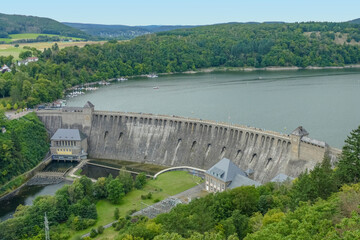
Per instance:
{"type": "Point", "coordinates": [224, 45]}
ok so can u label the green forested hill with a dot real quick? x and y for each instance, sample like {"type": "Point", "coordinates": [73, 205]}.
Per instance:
{"type": "Point", "coordinates": [22, 146]}
{"type": "Point", "coordinates": [357, 21]}
{"type": "Point", "coordinates": [121, 32]}
{"type": "Point", "coordinates": [13, 24]}
{"type": "Point", "coordinates": [223, 45]}
{"type": "Point", "coordinates": [229, 45]}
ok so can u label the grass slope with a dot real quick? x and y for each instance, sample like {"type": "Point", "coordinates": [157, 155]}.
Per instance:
{"type": "Point", "coordinates": [165, 185]}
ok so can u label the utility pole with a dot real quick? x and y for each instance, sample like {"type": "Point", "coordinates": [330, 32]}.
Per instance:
{"type": "Point", "coordinates": [47, 232]}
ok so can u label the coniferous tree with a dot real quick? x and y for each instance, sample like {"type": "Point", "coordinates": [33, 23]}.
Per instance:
{"type": "Point", "coordinates": [348, 169]}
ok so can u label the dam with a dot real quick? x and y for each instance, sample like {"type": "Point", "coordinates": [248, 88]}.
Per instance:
{"type": "Point", "coordinates": [177, 141]}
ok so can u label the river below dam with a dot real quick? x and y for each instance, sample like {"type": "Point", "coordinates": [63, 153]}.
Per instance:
{"type": "Point", "coordinates": [324, 102]}
{"type": "Point", "coordinates": [27, 194]}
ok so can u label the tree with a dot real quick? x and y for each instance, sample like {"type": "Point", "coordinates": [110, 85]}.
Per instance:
{"type": "Point", "coordinates": [2, 87]}
{"type": "Point", "coordinates": [348, 167]}
{"type": "Point", "coordinates": [169, 236]}
{"type": "Point", "coordinates": [240, 222]}
{"type": "Point", "coordinates": [323, 179]}
{"type": "Point", "coordinates": [116, 213]}
{"type": "Point", "coordinates": [319, 182]}
{"type": "Point", "coordinates": [126, 179]}
{"type": "Point", "coordinates": [2, 117]}
{"type": "Point", "coordinates": [26, 54]}
{"type": "Point", "coordinates": [245, 199]}
{"type": "Point", "coordinates": [140, 180]}
{"type": "Point", "coordinates": [26, 89]}
{"type": "Point", "coordinates": [115, 191]}
{"type": "Point", "coordinates": [100, 188]}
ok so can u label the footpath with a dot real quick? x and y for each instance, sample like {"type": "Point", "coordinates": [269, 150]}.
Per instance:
{"type": "Point", "coordinates": [71, 175]}
{"type": "Point", "coordinates": [14, 115]}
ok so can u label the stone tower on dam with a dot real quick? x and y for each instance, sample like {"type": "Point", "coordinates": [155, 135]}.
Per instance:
{"type": "Point", "coordinates": [177, 141]}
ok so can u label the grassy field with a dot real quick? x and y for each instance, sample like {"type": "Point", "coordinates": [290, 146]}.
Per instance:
{"type": "Point", "coordinates": [9, 49]}
{"type": "Point", "coordinates": [108, 234]}
{"type": "Point", "coordinates": [15, 37]}
{"type": "Point", "coordinates": [165, 185]}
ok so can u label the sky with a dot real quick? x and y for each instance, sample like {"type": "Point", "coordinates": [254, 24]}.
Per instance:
{"type": "Point", "coordinates": [186, 12]}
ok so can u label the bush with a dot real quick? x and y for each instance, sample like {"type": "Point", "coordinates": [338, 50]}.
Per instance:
{"type": "Point", "coordinates": [90, 222]}
{"type": "Point", "coordinates": [100, 229]}
{"type": "Point", "coordinates": [130, 212]}
{"type": "Point", "coordinates": [156, 200]}
{"type": "Point", "coordinates": [93, 233]}
{"type": "Point", "coordinates": [147, 196]}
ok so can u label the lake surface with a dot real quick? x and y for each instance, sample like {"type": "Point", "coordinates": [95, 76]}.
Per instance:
{"type": "Point", "coordinates": [324, 102]}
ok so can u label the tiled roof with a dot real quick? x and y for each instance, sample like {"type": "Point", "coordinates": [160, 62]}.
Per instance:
{"type": "Point", "coordinates": [225, 170]}
{"type": "Point", "coordinates": [300, 131]}
{"type": "Point", "coordinates": [240, 180]}
{"type": "Point", "coordinates": [88, 105]}
{"type": "Point", "coordinates": [68, 134]}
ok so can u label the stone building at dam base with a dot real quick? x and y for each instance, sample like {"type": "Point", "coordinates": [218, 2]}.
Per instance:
{"type": "Point", "coordinates": [178, 141]}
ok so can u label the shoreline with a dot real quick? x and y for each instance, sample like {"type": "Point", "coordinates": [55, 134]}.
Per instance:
{"type": "Point", "coordinates": [274, 68]}
{"type": "Point", "coordinates": [228, 69]}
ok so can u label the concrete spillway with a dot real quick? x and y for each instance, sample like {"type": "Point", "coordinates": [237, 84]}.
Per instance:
{"type": "Point", "coordinates": [176, 141]}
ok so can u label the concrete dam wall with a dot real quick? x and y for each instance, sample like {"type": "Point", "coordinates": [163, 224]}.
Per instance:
{"type": "Point", "coordinates": [176, 141]}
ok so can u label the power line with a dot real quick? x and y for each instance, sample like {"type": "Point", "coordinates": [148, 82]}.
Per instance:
{"type": "Point", "coordinates": [47, 231]}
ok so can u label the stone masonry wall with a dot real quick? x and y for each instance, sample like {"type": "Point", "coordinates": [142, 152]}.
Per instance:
{"type": "Point", "coordinates": [176, 141]}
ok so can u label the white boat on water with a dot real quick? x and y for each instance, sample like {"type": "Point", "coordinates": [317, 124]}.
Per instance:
{"type": "Point", "coordinates": [91, 88]}
{"type": "Point", "coordinates": [156, 87]}
{"type": "Point", "coordinates": [152, 75]}
{"type": "Point", "coordinates": [104, 83]}
{"type": "Point", "coordinates": [122, 79]}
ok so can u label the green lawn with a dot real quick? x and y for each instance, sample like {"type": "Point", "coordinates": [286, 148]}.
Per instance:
{"type": "Point", "coordinates": [165, 185]}
{"type": "Point", "coordinates": [108, 234]}
{"type": "Point", "coordinates": [11, 51]}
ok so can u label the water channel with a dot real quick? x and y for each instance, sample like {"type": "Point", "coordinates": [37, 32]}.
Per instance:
{"type": "Point", "coordinates": [324, 102]}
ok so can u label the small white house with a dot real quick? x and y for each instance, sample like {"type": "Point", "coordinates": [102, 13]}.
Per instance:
{"type": "Point", "coordinates": [5, 69]}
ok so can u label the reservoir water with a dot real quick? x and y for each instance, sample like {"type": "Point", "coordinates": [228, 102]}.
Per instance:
{"type": "Point", "coordinates": [324, 102]}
